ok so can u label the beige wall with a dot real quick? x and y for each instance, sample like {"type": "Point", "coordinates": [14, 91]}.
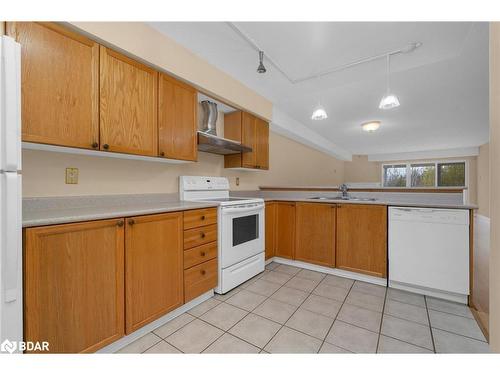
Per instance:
{"type": "Point", "coordinates": [360, 169]}
{"type": "Point", "coordinates": [495, 186]}
{"type": "Point", "coordinates": [483, 180]}
{"type": "Point", "coordinates": [291, 163]}
{"type": "Point", "coordinates": [155, 48]}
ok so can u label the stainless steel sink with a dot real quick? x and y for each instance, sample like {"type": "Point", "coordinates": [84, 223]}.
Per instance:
{"type": "Point", "coordinates": [345, 199]}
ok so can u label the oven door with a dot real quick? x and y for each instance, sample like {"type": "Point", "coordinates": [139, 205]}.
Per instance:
{"type": "Point", "coordinates": [242, 232]}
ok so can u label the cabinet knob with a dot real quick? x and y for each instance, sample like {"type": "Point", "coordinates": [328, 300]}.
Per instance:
{"type": "Point", "coordinates": [105, 146]}
{"type": "Point", "coordinates": [119, 223]}
{"type": "Point", "coordinates": [202, 254]}
{"type": "Point", "coordinates": [162, 153]}
{"type": "Point", "coordinates": [203, 217]}
{"type": "Point", "coordinates": [131, 221]}
{"type": "Point", "coordinates": [202, 235]}
{"type": "Point", "coordinates": [95, 145]}
{"type": "Point", "coordinates": [203, 272]}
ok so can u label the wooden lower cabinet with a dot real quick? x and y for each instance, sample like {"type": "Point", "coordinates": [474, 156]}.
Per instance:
{"type": "Point", "coordinates": [362, 239]}
{"type": "Point", "coordinates": [285, 230]}
{"type": "Point", "coordinates": [74, 285]}
{"type": "Point", "coordinates": [270, 220]}
{"type": "Point", "coordinates": [200, 279]}
{"type": "Point", "coordinates": [315, 233]}
{"type": "Point", "coordinates": [154, 267]}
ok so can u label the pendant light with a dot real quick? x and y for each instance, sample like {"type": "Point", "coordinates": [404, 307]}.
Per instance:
{"type": "Point", "coordinates": [319, 113]}
{"type": "Point", "coordinates": [389, 100]}
{"type": "Point", "coordinates": [261, 68]}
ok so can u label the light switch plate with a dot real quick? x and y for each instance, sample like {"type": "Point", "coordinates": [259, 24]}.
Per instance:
{"type": "Point", "coordinates": [71, 175]}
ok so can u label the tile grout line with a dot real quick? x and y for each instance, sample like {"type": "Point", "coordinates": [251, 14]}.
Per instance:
{"type": "Point", "coordinates": [283, 325]}
{"type": "Point", "coordinates": [335, 319]}
{"type": "Point", "coordinates": [430, 325]}
{"type": "Point", "coordinates": [381, 321]}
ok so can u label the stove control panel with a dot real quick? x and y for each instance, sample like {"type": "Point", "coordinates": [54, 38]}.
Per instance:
{"type": "Point", "coordinates": [202, 183]}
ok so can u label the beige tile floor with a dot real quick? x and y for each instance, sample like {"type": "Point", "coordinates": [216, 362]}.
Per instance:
{"type": "Point", "coordinates": [292, 310]}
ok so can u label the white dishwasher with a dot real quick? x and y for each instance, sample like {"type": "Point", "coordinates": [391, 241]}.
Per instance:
{"type": "Point", "coordinates": [429, 251]}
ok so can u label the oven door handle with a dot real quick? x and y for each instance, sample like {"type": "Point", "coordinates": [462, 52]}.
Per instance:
{"type": "Point", "coordinates": [242, 209]}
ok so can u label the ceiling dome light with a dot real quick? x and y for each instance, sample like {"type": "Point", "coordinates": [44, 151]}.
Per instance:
{"type": "Point", "coordinates": [370, 126]}
{"type": "Point", "coordinates": [389, 100]}
{"type": "Point", "coordinates": [319, 113]}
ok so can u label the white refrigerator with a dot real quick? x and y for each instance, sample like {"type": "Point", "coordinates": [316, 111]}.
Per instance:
{"type": "Point", "coordinates": [11, 292]}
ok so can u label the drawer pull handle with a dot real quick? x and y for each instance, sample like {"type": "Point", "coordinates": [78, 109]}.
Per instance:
{"type": "Point", "coordinates": [203, 217]}
{"type": "Point", "coordinates": [202, 254]}
{"type": "Point", "coordinates": [202, 235]}
{"type": "Point", "coordinates": [131, 222]}
{"type": "Point", "coordinates": [162, 153]}
{"type": "Point", "coordinates": [203, 272]}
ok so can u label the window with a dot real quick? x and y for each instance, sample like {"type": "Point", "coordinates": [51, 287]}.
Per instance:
{"type": "Point", "coordinates": [395, 175]}
{"type": "Point", "coordinates": [451, 174]}
{"type": "Point", "coordinates": [425, 174]}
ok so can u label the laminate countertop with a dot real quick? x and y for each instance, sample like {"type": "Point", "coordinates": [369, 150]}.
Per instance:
{"type": "Point", "coordinates": [61, 210]}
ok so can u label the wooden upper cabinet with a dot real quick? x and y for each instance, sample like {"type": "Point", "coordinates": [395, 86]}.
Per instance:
{"type": "Point", "coordinates": [177, 119]}
{"type": "Point", "coordinates": [285, 230]}
{"type": "Point", "coordinates": [74, 285]}
{"type": "Point", "coordinates": [128, 105]}
{"type": "Point", "coordinates": [262, 144]}
{"type": "Point", "coordinates": [362, 239]}
{"type": "Point", "coordinates": [270, 220]}
{"type": "Point", "coordinates": [249, 139]}
{"type": "Point", "coordinates": [251, 132]}
{"type": "Point", "coordinates": [315, 233]}
{"type": "Point", "coordinates": [154, 267]}
{"type": "Point", "coordinates": [59, 85]}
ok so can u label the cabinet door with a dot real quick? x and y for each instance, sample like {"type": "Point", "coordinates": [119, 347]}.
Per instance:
{"type": "Point", "coordinates": [285, 230]}
{"type": "Point", "coordinates": [262, 144]}
{"type": "Point", "coordinates": [59, 85]}
{"type": "Point", "coordinates": [128, 105]}
{"type": "Point", "coordinates": [270, 221]}
{"type": "Point", "coordinates": [73, 285]}
{"type": "Point", "coordinates": [362, 239]}
{"type": "Point", "coordinates": [248, 138]}
{"type": "Point", "coordinates": [315, 233]}
{"type": "Point", "coordinates": [154, 267]}
{"type": "Point", "coordinates": [177, 119]}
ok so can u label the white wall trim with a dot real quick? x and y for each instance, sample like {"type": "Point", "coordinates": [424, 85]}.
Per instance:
{"type": "Point", "coordinates": [284, 125]}
{"type": "Point", "coordinates": [330, 271]}
{"type": "Point", "coordinates": [102, 154]}
{"type": "Point", "coordinates": [431, 154]}
{"type": "Point", "coordinates": [124, 341]}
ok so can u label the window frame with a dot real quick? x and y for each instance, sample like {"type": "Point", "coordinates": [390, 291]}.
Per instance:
{"type": "Point", "coordinates": [408, 164]}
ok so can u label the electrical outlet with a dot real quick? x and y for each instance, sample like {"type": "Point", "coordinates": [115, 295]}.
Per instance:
{"type": "Point", "coordinates": [71, 175]}
{"type": "Point", "coordinates": [237, 181]}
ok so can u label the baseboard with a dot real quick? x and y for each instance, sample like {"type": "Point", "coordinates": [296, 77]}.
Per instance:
{"type": "Point", "coordinates": [330, 271]}
{"type": "Point", "coordinates": [480, 322]}
{"type": "Point", "coordinates": [454, 297]}
{"type": "Point", "coordinates": [124, 341]}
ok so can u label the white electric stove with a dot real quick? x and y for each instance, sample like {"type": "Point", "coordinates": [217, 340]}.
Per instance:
{"type": "Point", "coordinates": [240, 229]}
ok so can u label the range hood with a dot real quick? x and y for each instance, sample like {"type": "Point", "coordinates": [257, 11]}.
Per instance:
{"type": "Point", "coordinates": [217, 145]}
{"type": "Point", "coordinates": [208, 141]}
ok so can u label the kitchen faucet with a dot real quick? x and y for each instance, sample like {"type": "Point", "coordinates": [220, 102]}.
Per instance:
{"type": "Point", "coordinates": [343, 188]}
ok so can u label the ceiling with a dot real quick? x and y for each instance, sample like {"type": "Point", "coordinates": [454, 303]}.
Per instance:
{"type": "Point", "coordinates": [442, 85]}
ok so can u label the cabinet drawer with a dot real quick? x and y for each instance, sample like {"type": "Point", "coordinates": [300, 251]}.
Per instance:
{"type": "Point", "coordinates": [200, 279]}
{"type": "Point", "coordinates": [198, 218]}
{"type": "Point", "coordinates": [199, 236]}
{"type": "Point", "coordinates": [199, 254]}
